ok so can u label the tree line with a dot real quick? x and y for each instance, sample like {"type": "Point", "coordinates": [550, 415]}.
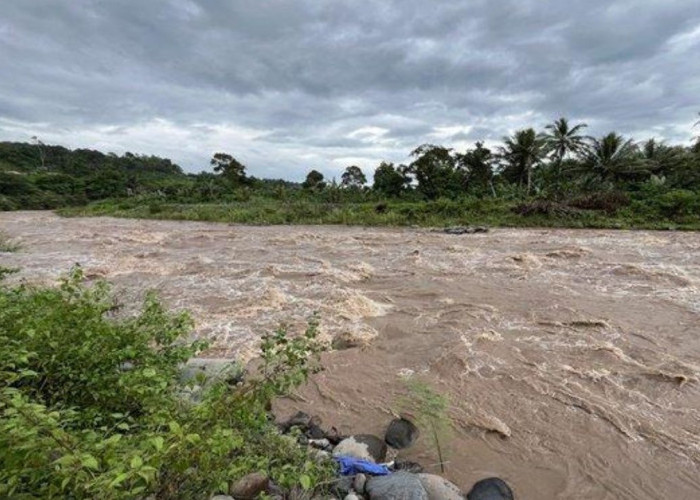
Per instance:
{"type": "Point", "coordinates": [558, 163]}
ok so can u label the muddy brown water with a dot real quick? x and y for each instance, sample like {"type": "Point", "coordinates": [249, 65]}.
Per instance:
{"type": "Point", "coordinates": [571, 357]}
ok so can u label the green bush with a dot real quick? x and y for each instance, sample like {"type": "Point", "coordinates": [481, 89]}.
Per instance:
{"type": "Point", "coordinates": [91, 404]}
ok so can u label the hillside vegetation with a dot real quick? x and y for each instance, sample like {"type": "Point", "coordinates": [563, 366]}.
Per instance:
{"type": "Point", "coordinates": [556, 177]}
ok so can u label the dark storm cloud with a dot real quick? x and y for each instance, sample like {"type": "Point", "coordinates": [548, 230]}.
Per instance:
{"type": "Point", "coordinates": [289, 85]}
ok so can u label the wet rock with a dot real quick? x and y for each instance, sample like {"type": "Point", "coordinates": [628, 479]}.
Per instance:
{"type": "Point", "coordinates": [457, 230]}
{"type": "Point", "coordinates": [299, 419]}
{"type": "Point", "coordinates": [315, 432]}
{"type": "Point", "coordinates": [321, 444]}
{"type": "Point", "coordinates": [491, 488]}
{"type": "Point", "coordinates": [249, 486]}
{"type": "Point", "coordinates": [401, 433]}
{"type": "Point", "coordinates": [396, 486]}
{"type": "Point", "coordinates": [359, 483]}
{"type": "Point", "coordinates": [439, 488]}
{"type": "Point", "coordinates": [363, 446]}
{"type": "Point", "coordinates": [342, 486]}
{"type": "Point", "coordinates": [408, 466]}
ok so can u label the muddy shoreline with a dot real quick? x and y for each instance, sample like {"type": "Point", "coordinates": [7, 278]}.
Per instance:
{"type": "Point", "coordinates": [571, 357]}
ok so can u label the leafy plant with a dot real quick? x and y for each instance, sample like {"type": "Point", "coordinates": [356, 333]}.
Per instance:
{"type": "Point", "coordinates": [430, 411]}
{"type": "Point", "coordinates": [91, 403]}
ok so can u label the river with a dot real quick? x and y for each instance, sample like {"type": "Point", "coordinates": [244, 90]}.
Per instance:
{"type": "Point", "coordinates": [571, 358]}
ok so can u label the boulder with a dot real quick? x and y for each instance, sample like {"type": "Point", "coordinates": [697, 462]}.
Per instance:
{"type": "Point", "coordinates": [439, 488]}
{"type": "Point", "coordinates": [342, 486]}
{"type": "Point", "coordinates": [249, 486]}
{"type": "Point", "coordinates": [491, 488]}
{"type": "Point", "coordinates": [299, 419]}
{"type": "Point", "coordinates": [396, 486]}
{"type": "Point", "coordinates": [408, 466]}
{"type": "Point", "coordinates": [465, 230]}
{"type": "Point", "coordinates": [401, 433]}
{"type": "Point", "coordinates": [362, 446]}
{"type": "Point", "coordinates": [359, 483]}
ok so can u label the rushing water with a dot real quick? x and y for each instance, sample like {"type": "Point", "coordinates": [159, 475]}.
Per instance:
{"type": "Point", "coordinates": [571, 357]}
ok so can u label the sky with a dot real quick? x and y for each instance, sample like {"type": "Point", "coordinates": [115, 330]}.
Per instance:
{"type": "Point", "coordinates": [287, 86]}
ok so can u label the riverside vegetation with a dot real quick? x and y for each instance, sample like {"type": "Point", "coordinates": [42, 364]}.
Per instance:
{"type": "Point", "coordinates": [558, 177]}
{"type": "Point", "coordinates": [91, 402]}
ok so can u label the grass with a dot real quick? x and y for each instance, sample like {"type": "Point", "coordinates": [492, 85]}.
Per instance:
{"type": "Point", "coordinates": [440, 213]}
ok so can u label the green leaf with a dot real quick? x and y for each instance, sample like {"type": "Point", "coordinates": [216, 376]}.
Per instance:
{"type": "Point", "coordinates": [89, 462]}
{"type": "Point", "coordinates": [149, 373]}
{"type": "Point", "coordinates": [119, 479]}
{"type": "Point", "coordinates": [158, 442]}
{"type": "Point", "coordinates": [305, 481]}
{"type": "Point", "coordinates": [136, 462]}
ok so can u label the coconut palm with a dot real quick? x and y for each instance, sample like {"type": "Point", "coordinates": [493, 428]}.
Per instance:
{"type": "Point", "coordinates": [562, 139]}
{"type": "Point", "coordinates": [612, 158]}
{"type": "Point", "coordinates": [522, 153]}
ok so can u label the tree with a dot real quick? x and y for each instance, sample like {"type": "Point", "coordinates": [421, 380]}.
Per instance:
{"type": "Point", "coordinates": [612, 158]}
{"type": "Point", "coordinates": [562, 139]}
{"type": "Point", "coordinates": [229, 168]}
{"type": "Point", "coordinates": [42, 155]}
{"type": "Point", "coordinates": [522, 153]}
{"type": "Point", "coordinates": [314, 181]}
{"type": "Point", "coordinates": [390, 181]}
{"type": "Point", "coordinates": [476, 164]}
{"type": "Point", "coordinates": [435, 170]}
{"type": "Point", "coordinates": [353, 177]}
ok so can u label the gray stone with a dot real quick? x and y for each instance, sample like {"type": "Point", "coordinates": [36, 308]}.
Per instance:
{"type": "Point", "coordinates": [396, 486]}
{"type": "Point", "coordinates": [352, 496]}
{"type": "Point", "coordinates": [249, 486]}
{"type": "Point", "coordinates": [362, 446]}
{"type": "Point", "coordinates": [439, 488]}
{"type": "Point", "coordinates": [401, 433]}
{"type": "Point", "coordinates": [491, 488]}
{"type": "Point", "coordinates": [221, 497]}
{"type": "Point", "coordinates": [342, 486]}
{"type": "Point", "coordinates": [321, 444]}
{"type": "Point", "coordinates": [408, 466]}
{"type": "Point", "coordinates": [359, 483]}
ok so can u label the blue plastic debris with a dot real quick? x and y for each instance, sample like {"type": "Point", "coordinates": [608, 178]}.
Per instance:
{"type": "Point", "coordinates": [349, 466]}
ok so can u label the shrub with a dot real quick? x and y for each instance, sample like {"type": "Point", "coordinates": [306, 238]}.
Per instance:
{"type": "Point", "coordinates": [607, 201]}
{"type": "Point", "coordinates": [91, 404]}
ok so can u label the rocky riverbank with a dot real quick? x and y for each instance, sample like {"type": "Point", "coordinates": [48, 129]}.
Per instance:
{"type": "Point", "coordinates": [365, 468]}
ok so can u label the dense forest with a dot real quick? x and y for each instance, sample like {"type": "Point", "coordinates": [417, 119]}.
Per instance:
{"type": "Point", "coordinates": [559, 173]}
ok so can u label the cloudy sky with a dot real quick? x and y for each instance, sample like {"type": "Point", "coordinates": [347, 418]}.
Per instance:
{"type": "Point", "coordinates": [286, 86]}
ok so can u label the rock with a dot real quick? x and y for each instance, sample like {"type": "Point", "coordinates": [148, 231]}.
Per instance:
{"type": "Point", "coordinates": [249, 486]}
{"type": "Point", "coordinates": [321, 444]}
{"type": "Point", "coordinates": [465, 230]}
{"type": "Point", "coordinates": [221, 497]}
{"type": "Point", "coordinates": [352, 496]}
{"type": "Point", "coordinates": [408, 466]}
{"type": "Point", "coordinates": [359, 483]}
{"type": "Point", "coordinates": [342, 486]}
{"type": "Point", "coordinates": [439, 488]}
{"type": "Point", "coordinates": [315, 432]}
{"type": "Point", "coordinates": [363, 446]}
{"type": "Point", "coordinates": [396, 486]}
{"type": "Point", "coordinates": [491, 488]}
{"type": "Point", "coordinates": [299, 419]}
{"type": "Point", "coordinates": [401, 433]}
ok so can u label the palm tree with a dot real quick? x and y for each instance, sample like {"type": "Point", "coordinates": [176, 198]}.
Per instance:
{"type": "Point", "coordinates": [562, 139]}
{"type": "Point", "coordinates": [522, 153]}
{"type": "Point", "coordinates": [612, 158]}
